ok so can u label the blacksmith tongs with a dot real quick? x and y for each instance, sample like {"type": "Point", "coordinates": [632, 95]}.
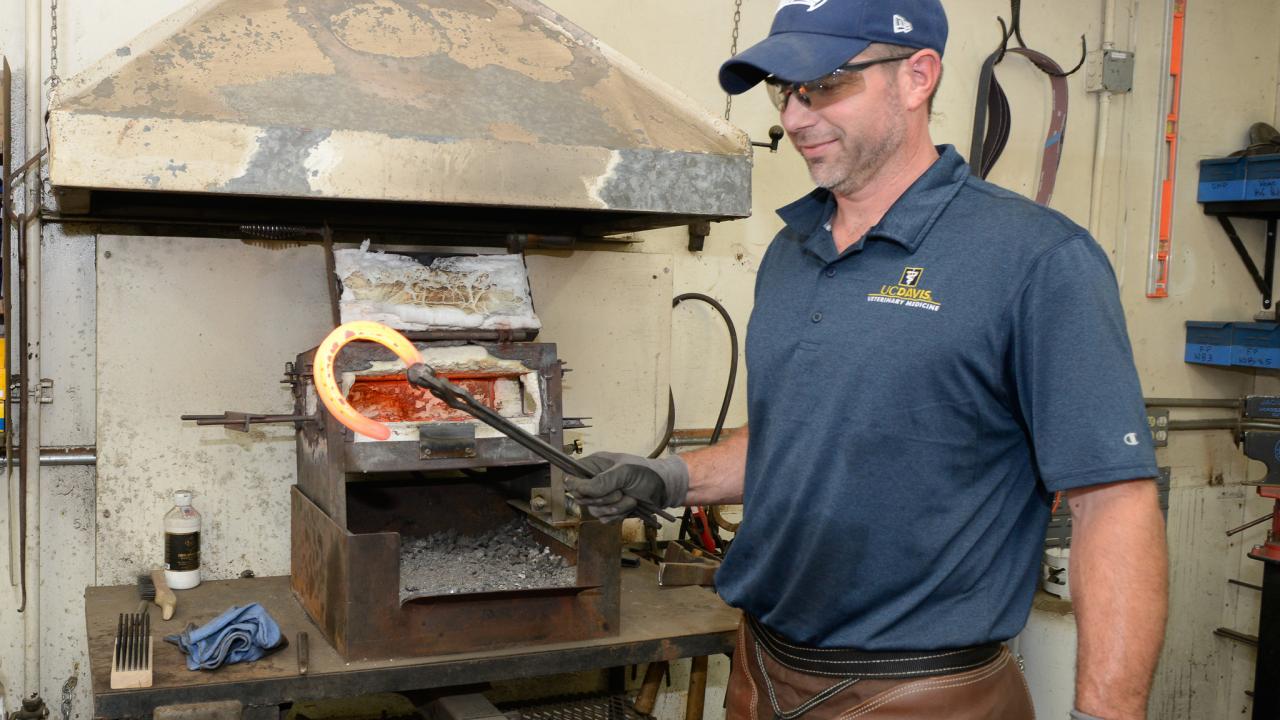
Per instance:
{"type": "Point", "coordinates": [424, 376]}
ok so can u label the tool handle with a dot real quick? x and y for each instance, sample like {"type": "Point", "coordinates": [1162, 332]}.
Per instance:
{"type": "Point", "coordinates": [165, 599]}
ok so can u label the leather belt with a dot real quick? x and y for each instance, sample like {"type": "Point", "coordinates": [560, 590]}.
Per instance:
{"type": "Point", "coordinates": [988, 143]}
{"type": "Point", "coordinates": [848, 663]}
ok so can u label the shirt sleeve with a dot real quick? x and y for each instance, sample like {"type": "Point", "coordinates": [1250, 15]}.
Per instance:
{"type": "Point", "coordinates": [1074, 376]}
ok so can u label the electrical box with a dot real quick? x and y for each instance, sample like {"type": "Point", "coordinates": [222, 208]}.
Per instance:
{"type": "Point", "coordinates": [1109, 71]}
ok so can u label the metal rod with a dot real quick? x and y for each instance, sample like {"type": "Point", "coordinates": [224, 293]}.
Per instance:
{"type": "Point", "coordinates": [57, 456]}
{"type": "Point", "coordinates": [1239, 637]}
{"type": "Point", "coordinates": [1231, 403]}
{"type": "Point", "coordinates": [1244, 584]}
{"type": "Point", "coordinates": [1223, 424]}
{"type": "Point", "coordinates": [1251, 523]}
{"type": "Point", "coordinates": [18, 176]}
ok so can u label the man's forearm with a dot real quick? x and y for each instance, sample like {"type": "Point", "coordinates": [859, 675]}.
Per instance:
{"type": "Point", "coordinates": [716, 473]}
{"type": "Point", "coordinates": [1119, 591]}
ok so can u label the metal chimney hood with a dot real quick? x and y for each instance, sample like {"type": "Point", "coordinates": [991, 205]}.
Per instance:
{"type": "Point", "coordinates": [405, 113]}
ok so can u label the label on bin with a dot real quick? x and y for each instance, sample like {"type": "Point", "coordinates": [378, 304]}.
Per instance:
{"type": "Point", "coordinates": [182, 551]}
{"type": "Point", "coordinates": [1256, 357]}
{"type": "Point", "coordinates": [1204, 354]}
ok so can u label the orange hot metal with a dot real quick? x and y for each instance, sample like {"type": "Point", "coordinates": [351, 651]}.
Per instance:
{"type": "Point", "coordinates": [390, 398]}
{"type": "Point", "coordinates": [327, 385]}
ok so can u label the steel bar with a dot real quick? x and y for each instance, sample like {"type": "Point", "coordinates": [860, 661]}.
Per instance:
{"type": "Point", "coordinates": [1230, 403]}
{"type": "Point", "coordinates": [1251, 523]}
{"type": "Point", "coordinates": [56, 456]}
{"type": "Point", "coordinates": [1239, 637]}
{"type": "Point", "coordinates": [1244, 584]}
{"type": "Point", "coordinates": [1223, 424]}
{"type": "Point", "coordinates": [17, 177]}
{"type": "Point", "coordinates": [241, 421]}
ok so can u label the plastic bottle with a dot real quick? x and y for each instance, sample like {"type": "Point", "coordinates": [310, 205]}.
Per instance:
{"type": "Point", "coordinates": [182, 543]}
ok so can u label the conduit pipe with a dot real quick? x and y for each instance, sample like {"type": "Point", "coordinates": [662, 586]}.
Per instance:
{"type": "Point", "coordinates": [1104, 125]}
{"type": "Point", "coordinates": [31, 444]}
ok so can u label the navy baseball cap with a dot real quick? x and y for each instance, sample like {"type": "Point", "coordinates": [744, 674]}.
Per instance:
{"type": "Point", "coordinates": [811, 38]}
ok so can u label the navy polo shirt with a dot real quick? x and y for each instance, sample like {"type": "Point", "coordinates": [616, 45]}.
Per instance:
{"type": "Point", "coordinates": [913, 403]}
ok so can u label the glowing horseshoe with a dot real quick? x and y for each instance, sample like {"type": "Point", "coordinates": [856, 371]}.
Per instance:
{"type": "Point", "coordinates": [327, 385]}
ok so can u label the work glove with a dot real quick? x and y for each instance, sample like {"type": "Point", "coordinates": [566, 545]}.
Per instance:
{"type": "Point", "coordinates": [620, 479]}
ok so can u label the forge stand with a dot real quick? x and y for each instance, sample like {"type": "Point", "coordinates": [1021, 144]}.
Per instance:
{"type": "Point", "coordinates": [439, 472]}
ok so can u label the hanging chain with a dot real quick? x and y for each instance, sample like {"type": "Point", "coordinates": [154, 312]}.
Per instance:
{"type": "Point", "coordinates": [53, 46]}
{"type": "Point", "coordinates": [733, 50]}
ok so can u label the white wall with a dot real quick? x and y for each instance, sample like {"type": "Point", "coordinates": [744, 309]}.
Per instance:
{"type": "Point", "coordinates": [1231, 81]}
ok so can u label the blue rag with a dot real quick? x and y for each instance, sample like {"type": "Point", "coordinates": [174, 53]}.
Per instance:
{"type": "Point", "coordinates": [241, 634]}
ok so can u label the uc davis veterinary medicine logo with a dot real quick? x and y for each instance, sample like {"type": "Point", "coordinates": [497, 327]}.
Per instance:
{"type": "Point", "coordinates": [908, 292]}
{"type": "Point", "coordinates": [811, 4]}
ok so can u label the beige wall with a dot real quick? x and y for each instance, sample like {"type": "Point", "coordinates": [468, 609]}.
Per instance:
{"type": "Point", "coordinates": [1231, 81]}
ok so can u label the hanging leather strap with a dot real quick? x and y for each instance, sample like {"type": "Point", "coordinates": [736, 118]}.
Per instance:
{"type": "Point", "coordinates": [993, 120]}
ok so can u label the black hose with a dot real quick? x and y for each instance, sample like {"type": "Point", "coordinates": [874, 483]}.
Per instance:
{"type": "Point", "coordinates": [728, 391]}
{"type": "Point", "coordinates": [686, 519]}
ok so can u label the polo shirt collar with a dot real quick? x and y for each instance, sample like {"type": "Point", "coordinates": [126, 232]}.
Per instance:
{"type": "Point", "coordinates": [907, 222]}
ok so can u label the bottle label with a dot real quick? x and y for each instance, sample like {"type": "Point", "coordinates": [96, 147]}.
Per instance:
{"type": "Point", "coordinates": [182, 551]}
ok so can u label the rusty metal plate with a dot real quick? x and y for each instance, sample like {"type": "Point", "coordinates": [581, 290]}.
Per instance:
{"type": "Point", "coordinates": [446, 440]}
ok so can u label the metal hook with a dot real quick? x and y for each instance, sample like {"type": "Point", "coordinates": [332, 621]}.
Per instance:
{"type": "Point", "coordinates": [1016, 25]}
{"type": "Point", "coordinates": [1004, 40]}
{"type": "Point", "coordinates": [1084, 55]}
{"type": "Point", "coordinates": [1014, 30]}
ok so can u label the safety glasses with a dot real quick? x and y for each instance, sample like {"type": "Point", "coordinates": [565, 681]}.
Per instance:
{"type": "Point", "coordinates": [826, 90]}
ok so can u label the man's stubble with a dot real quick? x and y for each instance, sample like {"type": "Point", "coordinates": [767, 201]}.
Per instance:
{"type": "Point", "coordinates": [861, 158]}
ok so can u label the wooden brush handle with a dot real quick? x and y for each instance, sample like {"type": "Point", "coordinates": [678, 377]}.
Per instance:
{"type": "Point", "coordinates": [165, 598]}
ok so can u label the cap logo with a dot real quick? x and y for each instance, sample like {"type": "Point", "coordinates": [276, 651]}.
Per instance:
{"type": "Point", "coordinates": [900, 24]}
{"type": "Point", "coordinates": [811, 4]}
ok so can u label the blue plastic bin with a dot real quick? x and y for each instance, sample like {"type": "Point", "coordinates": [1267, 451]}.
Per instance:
{"type": "Point", "coordinates": [1208, 343]}
{"type": "Point", "coordinates": [1262, 177]}
{"type": "Point", "coordinates": [1255, 345]}
{"type": "Point", "coordinates": [1222, 180]}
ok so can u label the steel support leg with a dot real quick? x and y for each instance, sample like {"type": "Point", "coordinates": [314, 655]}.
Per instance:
{"type": "Point", "coordinates": [1266, 680]}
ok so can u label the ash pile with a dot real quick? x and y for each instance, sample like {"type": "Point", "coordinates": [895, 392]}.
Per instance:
{"type": "Point", "coordinates": [505, 558]}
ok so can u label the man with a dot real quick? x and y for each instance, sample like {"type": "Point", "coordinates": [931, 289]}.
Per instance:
{"type": "Point", "coordinates": [930, 359]}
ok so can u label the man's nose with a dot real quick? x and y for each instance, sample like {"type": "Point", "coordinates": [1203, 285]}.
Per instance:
{"type": "Point", "coordinates": [796, 116]}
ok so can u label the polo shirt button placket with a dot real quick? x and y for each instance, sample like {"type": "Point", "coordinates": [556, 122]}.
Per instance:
{"type": "Point", "coordinates": [831, 272]}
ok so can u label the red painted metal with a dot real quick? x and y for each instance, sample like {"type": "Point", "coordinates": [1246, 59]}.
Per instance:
{"type": "Point", "coordinates": [1270, 551]}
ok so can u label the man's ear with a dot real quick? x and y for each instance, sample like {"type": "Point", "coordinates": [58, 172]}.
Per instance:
{"type": "Point", "coordinates": [921, 75]}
